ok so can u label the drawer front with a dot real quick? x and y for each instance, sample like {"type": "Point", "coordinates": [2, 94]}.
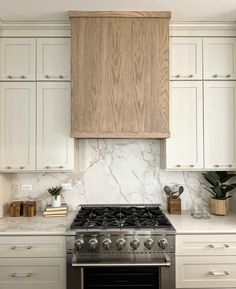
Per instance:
{"type": "Point", "coordinates": [205, 245]}
{"type": "Point", "coordinates": [32, 246]}
{"type": "Point", "coordinates": [206, 272]}
{"type": "Point", "coordinates": [33, 273]}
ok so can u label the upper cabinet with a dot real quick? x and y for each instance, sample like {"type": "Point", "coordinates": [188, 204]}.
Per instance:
{"type": "Point", "coordinates": [17, 126]}
{"type": "Point", "coordinates": [17, 59]}
{"type": "Point", "coordinates": [219, 58]}
{"type": "Point", "coordinates": [53, 59]}
{"type": "Point", "coordinates": [185, 147]}
{"type": "Point", "coordinates": [185, 58]}
{"type": "Point", "coordinates": [120, 74]}
{"type": "Point", "coordinates": [54, 145]}
{"type": "Point", "coordinates": [220, 124]}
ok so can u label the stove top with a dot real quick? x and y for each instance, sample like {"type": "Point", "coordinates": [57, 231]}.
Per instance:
{"type": "Point", "coordinates": [120, 217]}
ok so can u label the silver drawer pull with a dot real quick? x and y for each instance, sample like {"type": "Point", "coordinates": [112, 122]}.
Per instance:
{"type": "Point", "coordinates": [54, 76]}
{"type": "Point", "coordinates": [177, 76]}
{"type": "Point", "coordinates": [191, 166]}
{"type": "Point", "coordinates": [178, 166]}
{"type": "Point", "coordinates": [55, 167]}
{"type": "Point", "coordinates": [228, 76]}
{"type": "Point", "coordinates": [230, 166]}
{"type": "Point", "coordinates": [224, 273]}
{"type": "Point", "coordinates": [16, 77]}
{"type": "Point", "coordinates": [190, 76]}
{"type": "Point", "coordinates": [213, 246]}
{"type": "Point", "coordinates": [21, 275]}
{"type": "Point", "coordinates": [216, 166]}
{"type": "Point", "coordinates": [22, 247]}
{"type": "Point", "coordinates": [215, 75]}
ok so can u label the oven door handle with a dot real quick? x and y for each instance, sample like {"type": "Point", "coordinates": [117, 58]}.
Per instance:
{"type": "Point", "coordinates": [166, 263]}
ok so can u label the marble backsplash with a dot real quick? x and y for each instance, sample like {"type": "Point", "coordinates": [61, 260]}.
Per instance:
{"type": "Point", "coordinates": [114, 171]}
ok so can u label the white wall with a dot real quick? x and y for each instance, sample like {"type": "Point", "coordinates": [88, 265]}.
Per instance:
{"type": "Point", "coordinates": [5, 194]}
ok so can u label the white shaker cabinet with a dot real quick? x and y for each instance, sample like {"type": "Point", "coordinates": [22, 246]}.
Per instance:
{"type": "Point", "coordinates": [185, 58]}
{"type": "Point", "coordinates": [55, 147]}
{"type": "Point", "coordinates": [220, 124]}
{"type": "Point", "coordinates": [17, 59]}
{"type": "Point", "coordinates": [219, 58]}
{"type": "Point", "coordinates": [184, 150]}
{"type": "Point", "coordinates": [17, 126]}
{"type": "Point", "coordinates": [53, 59]}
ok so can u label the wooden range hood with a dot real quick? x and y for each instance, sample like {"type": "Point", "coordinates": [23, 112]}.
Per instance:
{"type": "Point", "coordinates": [120, 74]}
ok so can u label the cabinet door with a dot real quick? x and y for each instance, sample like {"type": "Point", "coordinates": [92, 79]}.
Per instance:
{"type": "Point", "coordinates": [55, 147]}
{"type": "Point", "coordinates": [53, 59]}
{"type": "Point", "coordinates": [219, 58]}
{"type": "Point", "coordinates": [184, 149]}
{"type": "Point", "coordinates": [185, 58]}
{"type": "Point", "coordinates": [17, 59]}
{"type": "Point", "coordinates": [220, 124]}
{"type": "Point", "coordinates": [32, 273]}
{"type": "Point", "coordinates": [17, 126]}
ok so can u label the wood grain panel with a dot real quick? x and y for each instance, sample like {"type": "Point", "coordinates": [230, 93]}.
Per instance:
{"type": "Point", "coordinates": [124, 14]}
{"type": "Point", "coordinates": [120, 71]}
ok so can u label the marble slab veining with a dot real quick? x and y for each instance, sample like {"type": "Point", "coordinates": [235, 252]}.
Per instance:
{"type": "Point", "coordinates": [37, 225]}
{"type": "Point", "coordinates": [114, 171]}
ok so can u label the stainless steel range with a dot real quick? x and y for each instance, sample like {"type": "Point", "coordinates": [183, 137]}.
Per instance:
{"type": "Point", "coordinates": [121, 246]}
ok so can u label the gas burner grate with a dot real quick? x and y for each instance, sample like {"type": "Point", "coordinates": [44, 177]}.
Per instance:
{"type": "Point", "coordinates": [120, 217]}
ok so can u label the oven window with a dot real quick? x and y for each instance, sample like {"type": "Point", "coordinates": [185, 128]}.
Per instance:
{"type": "Point", "coordinates": [121, 278]}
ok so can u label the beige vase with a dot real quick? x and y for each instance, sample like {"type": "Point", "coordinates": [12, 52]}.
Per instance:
{"type": "Point", "coordinates": [219, 207]}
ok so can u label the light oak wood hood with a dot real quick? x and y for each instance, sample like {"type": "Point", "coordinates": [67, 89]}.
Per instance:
{"type": "Point", "coordinates": [120, 74]}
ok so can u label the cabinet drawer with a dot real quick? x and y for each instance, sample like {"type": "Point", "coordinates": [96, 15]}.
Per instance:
{"type": "Point", "coordinates": [32, 246]}
{"type": "Point", "coordinates": [32, 273]}
{"type": "Point", "coordinates": [205, 272]}
{"type": "Point", "coordinates": [206, 245]}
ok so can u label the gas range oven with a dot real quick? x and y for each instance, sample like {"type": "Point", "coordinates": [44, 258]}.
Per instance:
{"type": "Point", "coordinates": [121, 246]}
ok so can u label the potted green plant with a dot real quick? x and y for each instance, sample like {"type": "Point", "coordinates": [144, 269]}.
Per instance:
{"type": "Point", "coordinates": [218, 185]}
{"type": "Point", "coordinates": [55, 192]}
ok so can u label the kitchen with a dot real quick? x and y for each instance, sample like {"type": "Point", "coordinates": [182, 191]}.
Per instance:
{"type": "Point", "coordinates": [115, 168]}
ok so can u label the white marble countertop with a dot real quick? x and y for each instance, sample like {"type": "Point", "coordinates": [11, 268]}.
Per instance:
{"type": "Point", "coordinates": [186, 224]}
{"type": "Point", "coordinates": [37, 225]}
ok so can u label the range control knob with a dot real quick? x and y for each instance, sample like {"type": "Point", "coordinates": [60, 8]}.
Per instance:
{"type": "Point", "coordinates": [106, 243]}
{"type": "Point", "coordinates": [120, 244]}
{"type": "Point", "coordinates": [135, 244]}
{"type": "Point", "coordinates": [79, 244]}
{"type": "Point", "coordinates": [93, 244]}
{"type": "Point", "coordinates": [163, 243]}
{"type": "Point", "coordinates": [149, 244]}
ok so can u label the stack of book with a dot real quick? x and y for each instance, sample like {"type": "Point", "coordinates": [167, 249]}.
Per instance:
{"type": "Point", "coordinates": [56, 212]}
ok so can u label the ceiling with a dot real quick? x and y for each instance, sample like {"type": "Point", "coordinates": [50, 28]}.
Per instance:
{"type": "Point", "coordinates": [182, 10]}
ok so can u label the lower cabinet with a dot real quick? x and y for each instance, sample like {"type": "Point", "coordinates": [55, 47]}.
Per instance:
{"type": "Point", "coordinates": [33, 273]}
{"type": "Point", "coordinates": [206, 261]}
{"type": "Point", "coordinates": [32, 262]}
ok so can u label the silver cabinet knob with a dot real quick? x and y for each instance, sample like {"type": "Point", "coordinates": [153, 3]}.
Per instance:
{"type": "Point", "coordinates": [120, 244]}
{"type": "Point", "coordinates": [177, 76]}
{"type": "Point", "coordinates": [190, 76]}
{"type": "Point", "coordinates": [93, 243]}
{"type": "Point", "coordinates": [228, 76]}
{"type": "Point", "coordinates": [230, 166]}
{"type": "Point", "coordinates": [163, 243]}
{"type": "Point", "coordinates": [106, 243]}
{"type": "Point", "coordinates": [135, 244]}
{"type": "Point", "coordinates": [191, 166]}
{"type": "Point", "coordinates": [149, 243]}
{"type": "Point", "coordinates": [215, 75]}
{"type": "Point", "coordinates": [79, 243]}
{"type": "Point", "coordinates": [216, 166]}
{"type": "Point", "coordinates": [178, 166]}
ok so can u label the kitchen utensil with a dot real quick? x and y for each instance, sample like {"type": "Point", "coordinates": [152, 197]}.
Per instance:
{"type": "Point", "coordinates": [167, 190]}
{"type": "Point", "coordinates": [181, 190]}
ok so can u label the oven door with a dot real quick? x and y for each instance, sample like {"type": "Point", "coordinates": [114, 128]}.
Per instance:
{"type": "Point", "coordinates": [135, 271]}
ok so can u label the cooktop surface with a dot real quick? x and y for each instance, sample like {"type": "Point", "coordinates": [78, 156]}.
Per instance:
{"type": "Point", "coordinates": [120, 217]}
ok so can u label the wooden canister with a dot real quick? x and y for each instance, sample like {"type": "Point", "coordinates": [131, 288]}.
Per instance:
{"type": "Point", "coordinates": [16, 209]}
{"type": "Point", "coordinates": [174, 205]}
{"type": "Point", "coordinates": [29, 209]}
